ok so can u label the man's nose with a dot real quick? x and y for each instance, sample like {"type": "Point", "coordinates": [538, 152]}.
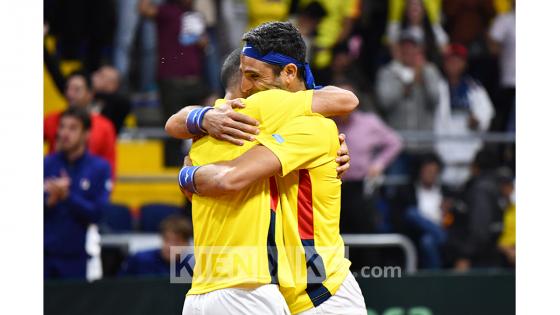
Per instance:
{"type": "Point", "coordinates": [246, 85]}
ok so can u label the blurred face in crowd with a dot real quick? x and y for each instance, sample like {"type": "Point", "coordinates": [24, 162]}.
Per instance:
{"type": "Point", "coordinates": [171, 238]}
{"type": "Point", "coordinates": [258, 76]}
{"type": "Point", "coordinates": [454, 66]}
{"type": "Point", "coordinates": [307, 24]}
{"type": "Point", "coordinates": [77, 92]}
{"type": "Point", "coordinates": [415, 12]}
{"type": "Point", "coordinates": [184, 3]}
{"type": "Point", "coordinates": [409, 53]}
{"type": "Point", "coordinates": [506, 189]}
{"type": "Point", "coordinates": [105, 80]}
{"type": "Point", "coordinates": [429, 174]}
{"type": "Point", "coordinates": [341, 62]}
{"type": "Point", "coordinates": [71, 135]}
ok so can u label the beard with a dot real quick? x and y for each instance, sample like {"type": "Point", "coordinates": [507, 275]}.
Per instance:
{"type": "Point", "coordinates": [276, 84]}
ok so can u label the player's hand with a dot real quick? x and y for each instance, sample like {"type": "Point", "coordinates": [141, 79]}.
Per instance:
{"type": "Point", "coordinates": [343, 158]}
{"type": "Point", "coordinates": [223, 123]}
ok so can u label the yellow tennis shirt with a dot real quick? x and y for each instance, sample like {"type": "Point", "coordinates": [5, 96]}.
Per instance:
{"type": "Point", "coordinates": [310, 200]}
{"type": "Point", "coordinates": [238, 237]}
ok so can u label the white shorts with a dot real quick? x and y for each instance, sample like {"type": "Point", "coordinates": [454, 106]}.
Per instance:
{"type": "Point", "coordinates": [263, 300]}
{"type": "Point", "coordinates": [348, 300]}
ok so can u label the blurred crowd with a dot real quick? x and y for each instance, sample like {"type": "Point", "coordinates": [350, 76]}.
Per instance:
{"type": "Point", "coordinates": [433, 77]}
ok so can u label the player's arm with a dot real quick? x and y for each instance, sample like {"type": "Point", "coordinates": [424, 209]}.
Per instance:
{"type": "Point", "coordinates": [333, 101]}
{"type": "Point", "coordinates": [222, 123]}
{"type": "Point", "coordinates": [225, 177]}
{"type": "Point", "coordinates": [296, 149]}
{"type": "Point", "coordinates": [231, 176]}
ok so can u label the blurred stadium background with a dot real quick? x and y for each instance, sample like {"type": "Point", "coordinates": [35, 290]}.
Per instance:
{"type": "Point", "coordinates": [432, 184]}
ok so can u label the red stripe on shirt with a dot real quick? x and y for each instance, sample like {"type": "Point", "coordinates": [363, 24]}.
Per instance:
{"type": "Point", "coordinates": [305, 206]}
{"type": "Point", "coordinates": [273, 194]}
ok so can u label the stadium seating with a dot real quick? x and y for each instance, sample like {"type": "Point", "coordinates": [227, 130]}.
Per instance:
{"type": "Point", "coordinates": [116, 218]}
{"type": "Point", "coordinates": [151, 215]}
{"type": "Point", "coordinates": [144, 158]}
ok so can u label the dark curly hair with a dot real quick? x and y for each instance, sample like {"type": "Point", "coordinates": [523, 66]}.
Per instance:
{"type": "Point", "coordinates": [280, 37]}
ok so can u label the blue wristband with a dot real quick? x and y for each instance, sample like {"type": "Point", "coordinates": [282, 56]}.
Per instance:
{"type": "Point", "coordinates": [186, 178]}
{"type": "Point", "coordinates": [194, 120]}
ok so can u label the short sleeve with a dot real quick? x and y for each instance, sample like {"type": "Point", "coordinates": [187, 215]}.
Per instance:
{"type": "Point", "coordinates": [276, 107]}
{"type": "Point", "coordinates": [304, 142]}
{"type": "Point", "coordinates": [219, 102]}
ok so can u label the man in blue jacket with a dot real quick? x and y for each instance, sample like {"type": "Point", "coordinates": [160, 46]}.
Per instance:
{"type": "Point", "coordinates": [76, 188]}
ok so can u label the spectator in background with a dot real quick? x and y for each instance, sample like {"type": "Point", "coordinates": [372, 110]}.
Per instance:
{"type": "Point", "coordinates": [128, 21]}
{"type": "Point", "coordinates": [181, 40]}
{"type": "Point", "coordinates": [212, 49]}
{"type": "Point", "coordinates": [408, 92]}
{"type": "Point", "coordinates": [344, 65]}
{"type": "Point", "coordinates": [464, 108]}
{"type": "Point", "coordinates": [485, 214]}
{"type": "Point", "coordinates": [334, 28]}
{"type": "Point", "coordinates": [84, 30]}
{"type": "Point", "coordinates": [107, 99]}
{"type": "Point", "coordinates": [421, 17]}
{"type": "Point", "coordinates": [76, 188]}
{"type": "Point", "coordinates": [421, 207]}
{"type": "Point", "coordinates": [468, 20]}
{"type": "Point", "coordinates": [233, 19]}
{"type": "Point", "coordinates": [262, 11]}
{"type": "Point", "coordinates": [506, 242]}
{"type": "Point", "coordinates": [102, 139]}
{"type": "Point", "coordinates": [175, 230]}
{"type": "Point", "coordinates": [308, 20]}
{"type": "Point", "coordinates": [502, 43]}
{"type": "Point", "coordinates": [373, 145]}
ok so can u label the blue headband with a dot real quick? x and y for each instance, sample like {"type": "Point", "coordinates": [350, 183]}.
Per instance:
{"type": "Point", "coordinates": [278, 59]}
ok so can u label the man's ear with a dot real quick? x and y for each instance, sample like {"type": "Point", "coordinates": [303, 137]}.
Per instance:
{"type": "Point", "coordinates": [290, 72]}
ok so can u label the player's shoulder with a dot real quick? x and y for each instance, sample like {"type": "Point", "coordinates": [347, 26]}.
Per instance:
{"type": "Point", "coordinates": [220, 102]}
{"type": "Point", "coordinates": [268, 93]}
{"type": "Point", "coordinates": [276, 94]}
{"type": "Point", "coordinates": [314, 124]}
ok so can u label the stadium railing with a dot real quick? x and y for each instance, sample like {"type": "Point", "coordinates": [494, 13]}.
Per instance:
{"type": "Point", "coordinates": [383, 241]}
{"type": "Point", "coordinates": [134, 242]}
{"type": "Point", "coordinates": [407, 135]}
